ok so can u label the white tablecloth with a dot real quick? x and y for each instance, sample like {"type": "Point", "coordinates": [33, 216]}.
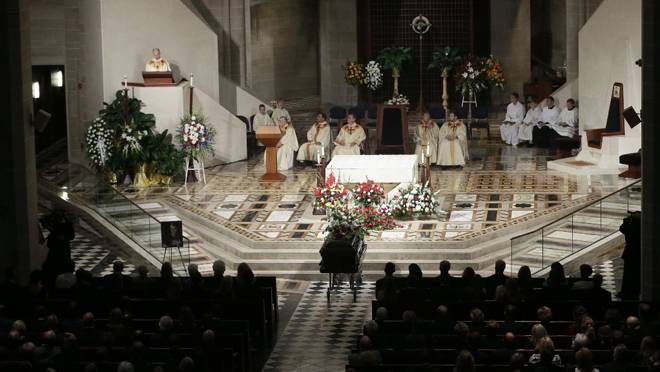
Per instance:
{"type": "Point", "coordinates": [378, 168]}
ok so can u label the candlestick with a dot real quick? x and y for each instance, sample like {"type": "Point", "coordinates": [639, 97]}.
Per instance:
{"type": "Point", "coordinates": [318, 158]}
{"type": "Point", "coordinates": [322, 151]}
{"type": "Point", "coordinates": [125, 82]}
{"type": "Point", "coordinates": [428, 150]}
{"type": "Point", "coordinates": [192, 79]}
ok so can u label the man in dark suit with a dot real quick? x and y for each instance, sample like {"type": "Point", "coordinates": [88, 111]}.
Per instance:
{"type": "Point", "coordinates": [496, 279]}
{"type": "Point", "coordinates": [631, 228]}
{"type": "Point", "coordinates": [620, 360]}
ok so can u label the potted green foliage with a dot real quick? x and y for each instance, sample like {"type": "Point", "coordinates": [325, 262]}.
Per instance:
{"type": "Point", "coordinates": [444, 59]}
{"type": "Point", "coordinates": [393, 58]}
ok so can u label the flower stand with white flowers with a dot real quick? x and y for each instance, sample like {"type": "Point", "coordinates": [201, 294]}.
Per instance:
{"type": "Point", "coordinates": [196, 137]}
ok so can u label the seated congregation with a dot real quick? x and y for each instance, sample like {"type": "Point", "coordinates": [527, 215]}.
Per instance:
{"type": "Point", "coordinates": [502, 323]}
{"type": "Point", "coordinates": [77, 322]}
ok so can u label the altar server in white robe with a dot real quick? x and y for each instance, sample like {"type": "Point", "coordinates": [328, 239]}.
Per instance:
{"type": "Point", "coordinates": [287, 145]}
{"type": "Point", "coordinates": [318, 140]}
{"type": "Point", "coordinates": [453, 150]}
{"type": "Point", "coordinates": [427, 135]}
{"type": "Point", "coordinates": [567, 123]}
{"type": "Point", "coordinates": [262, 119]}
{"type": "Point", "coordinates": [157, 63]}
{"type": "Point", "coordinates": [548, 117]}
{"type": "Point", "coordinates": [350, 138]}
{"type": "Point", "coordinates": [281, 111]}
{"type": "Point", "coordinates": [531, 118]}
{"type": "Point", "coordinates": [515, 113]}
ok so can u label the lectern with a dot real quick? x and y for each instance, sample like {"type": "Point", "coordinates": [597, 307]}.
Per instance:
{"type": "Point", "coordinates": [157, 78]}
{"type": "Point", "coordinates": [270, 136]}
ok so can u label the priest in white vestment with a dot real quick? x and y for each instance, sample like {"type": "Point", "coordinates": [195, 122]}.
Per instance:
{"type": "Point", "coordinates": [549, 116]}
{"type": "Point", "coordinates": [281, 111]}
{"type": "Point", "coordinates": [318, 140]}
{"type": "Point", "coordinates": [287, 145]}
{"type": "Point", "coordinates": [515, 113]}
{"type": "Point", "coordinates": [262, 119]}
{"type": "Point", "coordinates": [350, 138]}
{"type": "Point", "coordinates": [567, 123]}
{"type": "Point", "coordinates": [453, 149]}
{"type": "Point", "coordinates": [157, 63]}
{"type": "Point", "coordinates": [531, 118]}
{"type": "Point", "coordinates": [427, 135]}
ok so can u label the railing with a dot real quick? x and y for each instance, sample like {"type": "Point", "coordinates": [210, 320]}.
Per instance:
{"type": "Point", "coordinates": [570, 234]}
{"type": "Point", "coordinates": [125, 215]}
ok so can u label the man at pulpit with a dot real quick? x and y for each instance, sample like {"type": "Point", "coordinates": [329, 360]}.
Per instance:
{"type": "Point", "coordinates": [350, 138]}
{"type": "Point", "coordinates": [157, 63]}
{"type": "Point", "coordinates": [287, 146]}
{"type": "Point", "coordinates": [318, 140]}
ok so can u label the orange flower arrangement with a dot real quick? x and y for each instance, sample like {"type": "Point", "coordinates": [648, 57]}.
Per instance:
{"type": "Point", "coordinates": [494, 72]}
{"type": "Point", "coordinates": [353, 73]}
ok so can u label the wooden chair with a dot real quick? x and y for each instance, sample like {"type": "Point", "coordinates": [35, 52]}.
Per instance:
{"type": "Point", "coordinates": [614, 125]}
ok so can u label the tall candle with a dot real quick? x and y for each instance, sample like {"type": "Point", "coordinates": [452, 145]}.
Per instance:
{"type": "Point", "coordinates": [322, 151]}
{"type": "Point", "coordinates": [125, 82]}
{"type": "Point", "coordinates": [428, 150]}
{"type": "Point", "coordinates": [192, 80]}
{"type": "Point", "coordinates": [318, 158]}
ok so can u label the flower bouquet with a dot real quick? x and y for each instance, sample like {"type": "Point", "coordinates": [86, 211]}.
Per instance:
{"type": "Point", "coordinates": [493, 71]}
{"type": "Point", "coordinates": [130, 138]}
{"type": "Point", "coordinates": [470, 78]}
{"type": "Point", "coordinates": [347, 223]}
{"type": "Point", "coordinates": [331, 195]}
{"type": "Point", "coordinates": [398, 100]}
{"type": "Point", "coordinates": [372, 76]}
{"type": "Point", "coordinates": [368, 193]}
{"type": "Point", "coordinates": [414, 200]}
{"type": "Point", "coordinates": [353, 73]}
{"type": "Point", "coordinates": [196, 136]}
{"type": "Point", "coordinates": [98, 141]}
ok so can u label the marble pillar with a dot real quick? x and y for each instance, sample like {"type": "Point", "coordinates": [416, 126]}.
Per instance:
{"type": "Point", "coordinates": [650, 150]}
{"type": "Point", "coordinates": [18, 202]}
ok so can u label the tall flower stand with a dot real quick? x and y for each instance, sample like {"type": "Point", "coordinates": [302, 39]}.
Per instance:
{"type": "Point", "coordinates": [470, 101]}
{"type": "Point", "coordinates": [196, 166]}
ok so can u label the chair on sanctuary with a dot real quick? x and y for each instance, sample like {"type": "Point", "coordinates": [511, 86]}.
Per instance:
{"type": "Point", "coordinates": [614, 125]}
{"type": "Point", "coordinates": [251, 136]}
{"type": "Point", "coordinates": [438, 114]}
{"type": "Point", "coordinates": [336, 115]}
{"type": "Point", "coordinates": [480, 119]}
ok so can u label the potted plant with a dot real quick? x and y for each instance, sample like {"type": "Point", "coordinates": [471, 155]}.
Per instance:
{"type": "Point", "coordinates": [392, 58]}
{"type": "Point", "coordinates": [444, 59]}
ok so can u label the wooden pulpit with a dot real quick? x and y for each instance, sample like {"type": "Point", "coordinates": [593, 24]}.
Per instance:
{"type": "Point", "coordinates": [157, 78]}
{"type": "Point", "coordinates": [270, 136]}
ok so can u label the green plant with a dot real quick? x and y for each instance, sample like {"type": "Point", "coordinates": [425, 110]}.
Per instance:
{"type": "Point", "coordinates": [393, 58]}
{"type": "Point", "coordinates": [162, 156]}
{"type": "Point", "coordinates": [444, 59]}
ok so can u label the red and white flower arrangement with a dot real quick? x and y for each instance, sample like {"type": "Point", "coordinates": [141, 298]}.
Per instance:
{"type": "Point", "coordinates": [368, 193]}
{"type": "Point", "coordinates": [331, 195]}
{"type": "Point", "coordinates": [196, 136]}
{"type": "Point", "coordinates": [414, 200]}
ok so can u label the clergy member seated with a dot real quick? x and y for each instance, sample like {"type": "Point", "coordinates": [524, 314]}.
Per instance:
{"type": "Point", "coordinates": [427, 135]}
{"type": "Point", "coordinates": [318, 140]}
{"type": "Point", "coordinates": [350, 138]}
{"type": "Point", "coordinates": [281, 111]}
{"type": "Point", "coordinates": [287, 145]}
{"type": "Point", "coordinates": [453, 150]}
{"type": "Point", "coordinates": [531, 118]}
{"type": "Point", "coordinates": [515, 113]}
{"type": "Point", "coordinates": [548, 118]}
{"type": "Point", "coordinates": [261, 118]}
{"type": "Point", "coordinates": [157, 63]}
{"type": "Point", "coordinates": [566, 125]}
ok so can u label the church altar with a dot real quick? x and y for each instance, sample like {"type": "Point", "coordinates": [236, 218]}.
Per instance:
{"type": "Point", "coordinates": [377, 168]}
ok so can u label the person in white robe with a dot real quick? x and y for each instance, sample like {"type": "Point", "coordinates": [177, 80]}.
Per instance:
{"type": "Point", "coordinates": [566, 125]}
{"type": "Point", "coordinates": [318, 140]}
{"type": "Point", "coordinates": [287, 145]}
{"type": "Point", "coordinates": [281, 111]}
{"type": "Point", "coordinates": [515, 113]}
{"type": "Point", "coordinates": [262, 119]}
{"type": "Point", "coordinates": [157, 63]}
{"type": "Point", "coordinates": [427, 135]}
{"type": "Point", "coordinates": [548, 117]}
{"type": "Point", "coordinates": [453, 149]}
{"type": "Point", "coordinates": [350, 138]}
{"type": "Point", "coordinates": [531, 118]}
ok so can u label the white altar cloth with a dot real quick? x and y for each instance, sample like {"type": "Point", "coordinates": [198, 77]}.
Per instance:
{"type": "Point", "coordinates": [378, 168]}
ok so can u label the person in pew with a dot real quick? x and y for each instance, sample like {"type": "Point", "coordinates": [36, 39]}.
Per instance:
{"type": "Point", "coordinates": [584, 283]}
{"type": "Point", "coordinates": [206, 355]}
{"type": "Point", "coordinates": [262, 119]}
{"type": "Point", "coordinates": [477, 320]}
{"type": "Point", "coordinates": [194, 285]}
{"type": "Point", "coordinates": [453, 148]}
{"type": "Point", "coordinates": [544, 315]}
{"type": "Point", "coordinates": [525, 282]}
{"type": "Point", "coordinates": [465, 362]}
{"type": "Point", "coordinates": [427, 134]}
{"type": "Point", "coordinates": [620, 360]}
{"type": "Point", "coordinates": [544, 357]}
{"type": "Point", "coordinates": [498, 278]}
{"type": "Point", "coordinates": [415, 275]}
{"type": "Point", "coordinates": [244, 284]}
{"type": "Point", "coordinates": [549, 117]}
{"type": "Point", "coordinates": [647, 349]}
{"type": "Point", "coordinates": [442, 323]}
{"type": "Point", "coordinates": [506, 348]}
{"type": "Point", "coordinates": [386, 287]}
{"type": "Point", "coordinates": [117, 282]}
{"type": "Point", "coordinates": [565, 126]}
{"type": "Point", "coordinates": [213, 283]}
{"type": "Point", "coordinates": [472, 290]}
{"type": "Point", "coordinates": [584, 361]}
{"type": "Point", "coordinates": [318, 140]}
{"type": "Point", "coordinates": [648, 321]}
{"type": "Point", "coordinates": [168, 285]}
{"type": "Point", "coordinates": [556, 285]}
{"type": "Point", "coordinates": [515, 113]}
{"type": "Point", "coordinates": [532, 117]}
{"type": "Point", "coordinates": [366, 356]}
{"type": "Point", "coordinates": [350, 138]}
{"type": "Point", "coordinates": [445, 278]}
{"type": "Point", "coordinates": [509, 292]}
{"type": "Point", "coordinates": [280, 111]}
{"type": "Point", "coordinates": [597, 293]}
{"type": "Point", "coordinates": [381, 315]}
{"type": "Point", "coordinates": [517, 362]}
{"type": "Point", "coordinates": [287, 145]}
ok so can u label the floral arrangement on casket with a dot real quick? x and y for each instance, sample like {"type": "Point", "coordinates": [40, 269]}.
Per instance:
{"type": "Point", "coordinates": [353, 73]}
{"type": "Point", "coordinates": [368, 193]}
{"type": "Point", "coordinates": [98, 141]}
{"type": "Point", "coordinates": [470, 77]}
{"type": "Point", "coordinates": [414, 200]}
{"type": "Point", "coordinates": [373, 75]}
{"type": "Point", "coordinates": [494, 72]}
{"type": "Point", "coordinates": [398, 100]}
{"type": "Point", "coordinates": [196, 136]}
{"type": "Point", "coordinates": [331, 195]}
{"type": "Point", "coordinates": [350, 222]}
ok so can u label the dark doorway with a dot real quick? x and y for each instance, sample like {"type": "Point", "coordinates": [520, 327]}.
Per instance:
{"type": "Point", "coordinates": [52, 98]}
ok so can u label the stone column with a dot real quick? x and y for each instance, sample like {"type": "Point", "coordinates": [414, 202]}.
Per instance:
{"type": "Point", "coordinates": [18, 203]}
{"type": "Point", "coordinates": [650, 150]}
{"type": "Point", "coordinates": [574, 21]}
{"type": "Point", "coordinates": [511, 45]}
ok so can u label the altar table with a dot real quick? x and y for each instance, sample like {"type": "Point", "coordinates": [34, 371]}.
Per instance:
{"type": "Point", "coordinates": [377, 168]}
